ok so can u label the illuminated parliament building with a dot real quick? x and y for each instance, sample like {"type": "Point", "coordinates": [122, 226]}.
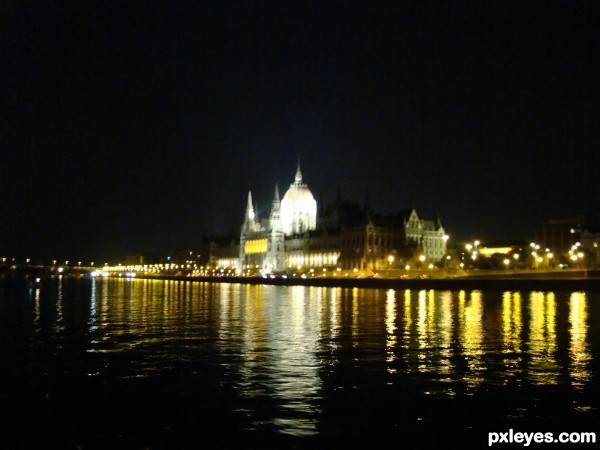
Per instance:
{"type": "Point", "coordinates": [297, 235]}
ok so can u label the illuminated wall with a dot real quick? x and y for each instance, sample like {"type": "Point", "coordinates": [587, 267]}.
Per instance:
{"type": "Point", "coordinates": [313, 259]}
{"type": "Point", "coordinates": [255, 246]}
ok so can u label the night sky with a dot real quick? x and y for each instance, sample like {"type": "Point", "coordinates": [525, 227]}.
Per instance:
{"type": "Point", "coordinates": [140, 126]}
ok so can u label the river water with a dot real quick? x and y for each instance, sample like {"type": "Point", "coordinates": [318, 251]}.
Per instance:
{"type": "Point", "coordinates": [134, 364]}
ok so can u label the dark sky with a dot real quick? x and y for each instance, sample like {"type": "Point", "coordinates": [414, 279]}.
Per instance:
{"type": "Point", "coordinates": [134, 125]}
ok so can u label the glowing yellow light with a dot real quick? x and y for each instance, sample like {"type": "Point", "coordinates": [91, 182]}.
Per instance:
{"type": "Point", "coordinates": [255, 246]}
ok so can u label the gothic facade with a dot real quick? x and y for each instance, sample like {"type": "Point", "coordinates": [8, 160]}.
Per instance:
{"type": "Point", "coordinates": [344, 236]}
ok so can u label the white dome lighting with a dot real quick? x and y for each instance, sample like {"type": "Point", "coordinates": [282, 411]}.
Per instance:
{"type": "Point", "coordinates": [298, 208]}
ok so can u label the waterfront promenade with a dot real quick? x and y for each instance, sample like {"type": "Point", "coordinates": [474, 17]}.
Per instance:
{"type": "Point", "coordinates": [482, 279]}
{"type": "Point", "coordinates": [577, 281]}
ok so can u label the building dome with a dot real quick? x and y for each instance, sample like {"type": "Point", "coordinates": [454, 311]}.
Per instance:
{"type": "Point", "coordinates": [298, 208]}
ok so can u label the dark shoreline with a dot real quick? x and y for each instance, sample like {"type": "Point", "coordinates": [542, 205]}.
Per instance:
{"type": "Point", "coordinates": [463, 283]}
{"type": "Point", "coordinates": [458, 283]}
{"type": "Point", "coordinates": [480, 282]}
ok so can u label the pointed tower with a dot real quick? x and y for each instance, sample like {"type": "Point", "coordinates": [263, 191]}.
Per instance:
{"type": "Point", "coordinates": [275, 217]}
{"type": "Point", "coordinates": [298, 173]}
{"type": "Point", "coordinates": [250, 225]}
{"type": "Point", "coordinates": [275, 260]}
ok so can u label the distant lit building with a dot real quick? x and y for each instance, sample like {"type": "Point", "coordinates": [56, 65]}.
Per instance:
{"type": "Point", "coordinates": [295, 237]}
{"type": "Point", "coordinates": [590, 240]}
{"type": "Point", "coordinates": [561, 234]}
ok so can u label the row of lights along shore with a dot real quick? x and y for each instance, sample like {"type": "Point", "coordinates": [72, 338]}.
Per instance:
{"type": "Point", "coordinates": [540, 257]}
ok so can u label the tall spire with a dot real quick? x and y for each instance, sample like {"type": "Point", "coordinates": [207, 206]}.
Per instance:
{"type": "Point", "coordinates": [249, 207]}
{"type": "Point", "coordinates": [275, 217]}
{"type": "Point", "coordinates": [251, 222]}
{"type": "Point", "coordinates": [298, 173]}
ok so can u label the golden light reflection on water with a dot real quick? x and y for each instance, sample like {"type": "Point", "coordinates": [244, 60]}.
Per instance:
{"type": "Point", "coordinates": [446, 330]}
{"type": "Point", "coordinates": [335, 311]}
{"type": "Point", "coordinates": [579, 349]}
{"type": "Point", "coordinates": [422, 333]}
{"type": "Point", "coordinates": [434, 331]}
{"type": "Point", "coordinates": [406, 318]}
{"type": "Point", "coordinates": [512, 326]}
{"type": "Point", "coordinates": [543, 367]}
{"type": "Point", "coordinates": [37, 309]}
{"type": "Point", "coordinates": [280, 342]}
{"type": "Point", "coordinates": [275, 341]}
{"type": "Point", "coordinates": [59, 326]}
{"type": "Point", "coordinates": [470, 335]}
{"type": "Point", "coordinates": [355, 332]}
{"type": "Point", "coordinates": [390, 328]}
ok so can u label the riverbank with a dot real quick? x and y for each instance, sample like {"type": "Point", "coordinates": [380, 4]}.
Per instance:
{"type": "Point", "coordinates": [472, 282]}
{"type": "Point", "coordinates": [488, 280]}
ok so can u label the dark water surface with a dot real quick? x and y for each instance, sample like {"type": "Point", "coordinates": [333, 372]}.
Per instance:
{"type": "Point", "coordinates": [133, 364]}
